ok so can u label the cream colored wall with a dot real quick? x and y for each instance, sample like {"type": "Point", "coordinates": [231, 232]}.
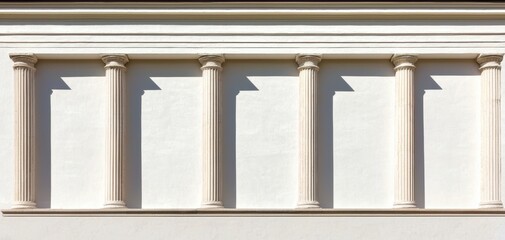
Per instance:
{"type": "Point", "coordinates": [356, 145]}
{"type": "Point", "coordinates": [164, 150]}
{"type": "Point", "coordinates": [299, 228]}
{"type": "Point", "coordinates": [261, 97]}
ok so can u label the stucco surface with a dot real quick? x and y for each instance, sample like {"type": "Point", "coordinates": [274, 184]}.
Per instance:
{"type": "Point", "coordinates": [260, 97]}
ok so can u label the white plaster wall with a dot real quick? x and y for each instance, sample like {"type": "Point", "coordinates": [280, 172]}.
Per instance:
{"type": "Point", "coordinates": [261, 99]}
{"type": "Point", "coordinates": [6, 130]}
{"type": "Point", "coordinates": [275, 228]}
{"type": "Point", "coordinates": [71, 133]}
{"type": "Point", "coordinates": [447, 133]}
{"type": "Point", "coordinates": [357, 117]}
{"type": "Point", "coordinates": [165, 138]}
{"type": "Point", "coordinates": [262, 105]}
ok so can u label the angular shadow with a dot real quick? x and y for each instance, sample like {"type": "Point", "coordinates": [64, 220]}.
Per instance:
{"type": "Point", "coordinates": [49, 77]}
{"type": "Point", "coordinates": [331, 81]}
{"type": "Point", "coordinates": [232, 88]}
{"type": "Point", "coordinates": [236, 80]}
{"type": "Point", "coordinates": [422, 83]}
{"type": "Point", "coordinates": [44, 90]}
{"type": "Point", "coordinates": [46, 81]}
{"type": "Point", "coordinates": [137, 85]}
{"type": "Point", "coordinates": [328, 85]}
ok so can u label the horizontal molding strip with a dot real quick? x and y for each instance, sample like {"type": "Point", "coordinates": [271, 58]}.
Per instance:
{"type": "Point", "coordinates": [249, 46]}
{"type": "Point", "coordinates": [260, 13]}
{"type": "Point", "coordinates": [260, 34]}
{"type": "Point", "coordinates": [272, 4]}
{"type": "Point", "coordinates": [253, 212]}
{"type": "Point", "coordinates": [255, 10]}
{"type": "Point", "coordinates": [252, 28]}
{"type": "Point", "coordinates": [229, 39]}
{"type": "Point", "coordinates": [247, 54]}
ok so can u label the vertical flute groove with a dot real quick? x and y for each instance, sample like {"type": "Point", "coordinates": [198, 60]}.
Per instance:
{"type": "Point", "coordinates": [212, 131]}
{"type": "Point", "coordinates": [116, 130]}
{"type": "Point", "coordinates": [307, 183]}
{"type": "Point", "coordinates": [404, 116]}
{"type": "Point", "coordinates": [24, 130]}
{"type": "Point", "coordinates": [490, 130]}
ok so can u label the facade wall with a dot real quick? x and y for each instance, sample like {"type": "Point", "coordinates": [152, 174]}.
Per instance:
{"type": "Point", "coordinates": [356, 150]}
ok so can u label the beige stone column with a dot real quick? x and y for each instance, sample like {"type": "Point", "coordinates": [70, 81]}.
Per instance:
{"type": "Point", "coordinates": [116, 130]}
{"type": "Point", "coordinates": [24, 130]}
{"type": "Point", "coordinates": [307, 185]}
{"type": "Point", "coordinates": [212, 131]}
{"type": "Point", "coordinates": [404, 115]}
{"type": "Point", "coordinates": [490, 130]}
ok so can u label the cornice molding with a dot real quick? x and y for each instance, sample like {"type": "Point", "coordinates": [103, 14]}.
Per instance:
{"type": "Point", "coordinates": [259, 10]}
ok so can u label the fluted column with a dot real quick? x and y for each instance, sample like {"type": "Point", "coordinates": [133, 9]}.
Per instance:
{"type": "Point", "coordinates": [490, 67]}
{"type": "Point", "coordinates": [116, 130]}
{"type": "Point", "coordinates": [307, 186]}
{"type": "Point", "coordinates": [24, 130]}
{"type": "Point", "coordinates": [212, 131]}
{"type": "Point", "coordinates": [404, 115]}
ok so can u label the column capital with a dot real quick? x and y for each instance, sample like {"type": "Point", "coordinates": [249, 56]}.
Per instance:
{"type": "Point", "coordinates": [308, 61]}
{"type": "Point", "coordinates": [211, 61]}
{"type": "Point", "coordinates": [404, 61]}
{"type": "Point", "coordinates": [489, 60]}
{"type": "Point", "coordinates": [115, 60]}
{"type": "Point", "coordinates": [23, 59]}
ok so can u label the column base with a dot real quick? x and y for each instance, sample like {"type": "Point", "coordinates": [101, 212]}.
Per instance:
{"type": "Point", "coordinates": [405, 205]}
{"type": "Point", "coordinates": [210, 205]}
{"type": "Point", "coordinates": [493, 204]}
{"type": "Point", "coordinates": [314, 204]}
{"type": "Point", "coordinates": [24, 205]}
{"type": "Point", "coordinates": [118, 204]}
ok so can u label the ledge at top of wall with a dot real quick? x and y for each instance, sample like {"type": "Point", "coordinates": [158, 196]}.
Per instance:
{"type": "Point", "coordinates": [226, 9]}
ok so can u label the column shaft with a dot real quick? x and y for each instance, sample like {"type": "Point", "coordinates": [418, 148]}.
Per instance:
{"type": "Point", "coordinates": [116, 130]}
{"type": "Point", "coordinates": [404, 114]}
{"type": "Point", "coordinates": [24, 130]}
{"type": "Point", "coordinates": [490, 130]}
{"type": "Point", "coordinates": [308, 68]}
{"type": "Point", "coordinates": [212, 131]}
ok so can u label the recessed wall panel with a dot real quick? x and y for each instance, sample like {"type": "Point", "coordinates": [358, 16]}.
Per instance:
{"type": "Point", "coordinates": [71, 133]}
{"type": "Point", "coordinates": [261, 133]}
{"type": "Point", "coordinates": [165, 138]}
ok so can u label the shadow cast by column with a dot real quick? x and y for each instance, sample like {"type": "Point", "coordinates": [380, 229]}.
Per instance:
{"type": "Point", "coordinates": [328, 85]}
{"type": "Point", "coordinates": [137, 85]}
{"type": "Point", "coordinates": [422, 83]}
{"type": "Point", "coordinates": [231, 88]}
